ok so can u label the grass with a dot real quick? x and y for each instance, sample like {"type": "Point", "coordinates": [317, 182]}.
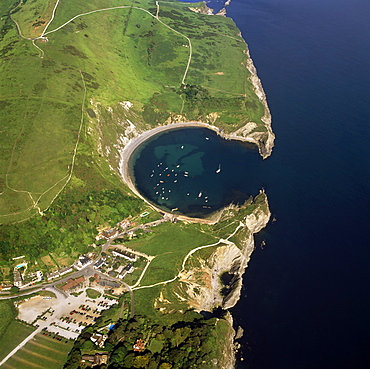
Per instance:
{"type": "Point", "coordinates": [92, 294]}
{"type": "Point", "coordinates": [15, 333]}
{"type": "Point", "coordinates": [33, 16]}
{"type": "Point", "coordinates": [41, 352]}
{"type": "Point", "coordinates": [7, 315]}
{"type": "Point", "coordinates": [42, 98]}
{"type": "Point", "coordinates": [170, 243]}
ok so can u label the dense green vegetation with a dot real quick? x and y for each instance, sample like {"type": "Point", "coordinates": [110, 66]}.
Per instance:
{"type": "Point", "coordinates": [44, 100]}
{"type": "Point", "coordinates": [66, 104]}
{"type": "Point", "coordinates": [70, 224]}
{"type": "Point", "coordinates": [191, 342]}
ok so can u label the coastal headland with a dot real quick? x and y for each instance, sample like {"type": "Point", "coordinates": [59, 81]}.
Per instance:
{"type": "Point", "coordinates": [85, 84]}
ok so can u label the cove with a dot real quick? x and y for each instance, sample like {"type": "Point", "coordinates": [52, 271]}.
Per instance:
{"type": "Point", "coordinates": [194, 171]}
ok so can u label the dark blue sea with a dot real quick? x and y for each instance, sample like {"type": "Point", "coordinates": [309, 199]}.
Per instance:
{"type": "Point", "coordinates": [306, 297]}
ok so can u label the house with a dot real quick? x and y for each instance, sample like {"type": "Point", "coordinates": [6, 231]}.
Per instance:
{"type": "Point", "coordinates": [99, 339]}
{"type": "Point", "coordinates": [99, 264]}
{"type": "Point", "coordinates": [73, 283]}
{"type": "Point", "coordinates": [5, 287]}
{"type": "Point", "coordinates": [123, 224]}
{"type": "Point", "coordinates": [139, 345]}
{"type": "Point", "coordinates": [107, 283]}
{"type": "Point", "coordinates": [82, 262]}
{"type": "Point", "coordinates": [90, 358]}
{"type": "Point", "coordinates": [107, 234]}
{"type": "Point", "coordinates": [52, 275]}
{"type": "Point", "coordinates": [124, 254]}
{"type": "Point", "coordinates": [65, 270]}
{"type": "Point", "coordinates": [97, 359]}
{"type": "Point", "coordinates": [18, 281]}
{"type": "Point", "coordinates": [39, 275]}
{"type": "Point", "coordinates": [129, 268]}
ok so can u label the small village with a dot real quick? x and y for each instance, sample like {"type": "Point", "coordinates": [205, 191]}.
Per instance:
{"type": "Point", "coordinates": [62, 302]}
{"type": "Point", "coordinates": [114, 261]}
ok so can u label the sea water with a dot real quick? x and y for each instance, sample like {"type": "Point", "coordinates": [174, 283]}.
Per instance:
{"type": "Point", "coordinates": [195, 172]}
{"type": "Point", "coordinates": [305, 301]}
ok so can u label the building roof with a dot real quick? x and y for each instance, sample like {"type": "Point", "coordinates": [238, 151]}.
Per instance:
{"type": "Point", "coordinates": [88, 357]}
{"type": "Point", "coordinates": [71, 283]}
{"type": "Point", "coordinates": [139, 345]}
{"type": "Point", "coordinates": [125, 254]}
{"type": "Point", "coordinates": [99, 263]}
{"type": "Point", "coordinates": [83, 259]}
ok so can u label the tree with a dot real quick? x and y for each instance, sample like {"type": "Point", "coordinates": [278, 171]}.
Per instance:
{"type": "Point", "coordinates": [165, 366]}
{"type": "Point", "coordinates": [141, 361]}
{"type": "Point", "coordinates": [14, 289]}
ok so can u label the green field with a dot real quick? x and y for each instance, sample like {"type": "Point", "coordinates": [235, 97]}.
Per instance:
{"type": "Point", "coordinates": [44, 100]}
{"type": "Point", "coordinates": [16, 332]}
{"type": "Point", "coordinates": [102, 72]}
{"type": "Point", "coordinates": [7, 315]}
{"type": "Point", "coordinates": [170, 243]}
{"type": "Point", "coordinates": [92, 294]}
{"type": "Point", "coordinates": [41, 352]}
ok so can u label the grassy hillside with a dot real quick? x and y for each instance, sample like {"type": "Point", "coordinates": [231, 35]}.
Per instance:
{"type": "Point", "coordinates": [77, 79]}
{"type": "Point", "coordinates": [177, 63]}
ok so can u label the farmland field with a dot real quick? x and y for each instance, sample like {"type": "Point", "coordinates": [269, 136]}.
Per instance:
{"type": "Point", "coordinates": [41, 352]}
{"type": "Point", "coordinates": [15, 334]}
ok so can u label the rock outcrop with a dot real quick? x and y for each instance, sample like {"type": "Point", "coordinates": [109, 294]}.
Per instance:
{"type": "Point", "coordinates": [199, 285]}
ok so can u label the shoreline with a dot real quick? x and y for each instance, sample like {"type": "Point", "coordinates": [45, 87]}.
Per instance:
{"type": "Point", "coordinates": [135, 142]}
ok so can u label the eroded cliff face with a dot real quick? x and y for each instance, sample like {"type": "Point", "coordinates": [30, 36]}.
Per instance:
{"type": "Point", "coordinates": [199, 285]}
{"type": "Point", "coordinates": [254, 222]}
{"type": "Point", "coordinates": [264, 140]}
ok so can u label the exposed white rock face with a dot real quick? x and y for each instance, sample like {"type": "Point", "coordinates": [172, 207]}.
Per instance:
{"type": "Point", "coordinates": [255, 222]}
{"type": "Point", "coordinates": [199, 285]}
{"type": "Point", "coordinates": [264, 147]}
{"type": "Point", "coordinates": [126, 104]}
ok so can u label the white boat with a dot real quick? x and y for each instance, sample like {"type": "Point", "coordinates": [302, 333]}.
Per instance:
{"type": "Point", "coordinates": [219, 169]}
{"type": "Point", "coordinates": [200, 194]}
